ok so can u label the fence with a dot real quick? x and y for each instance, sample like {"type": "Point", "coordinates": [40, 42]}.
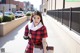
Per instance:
{"type": "Point", "coordinates": [70, 17]}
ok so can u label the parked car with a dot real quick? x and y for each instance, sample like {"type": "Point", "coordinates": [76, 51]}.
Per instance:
{"type": "Point", "coordinates": [29, 12]}
{"type": "Point", "coordinates": [1, 17]}
{"type": "Point", "coordinates": [9, 14]}
{"type": "Point", "coordinates": [1, 14]}
{"type": "Point", "coordinates": [19, 14]}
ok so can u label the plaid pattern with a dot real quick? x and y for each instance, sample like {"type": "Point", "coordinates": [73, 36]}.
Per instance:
{"type": "Point", "coordinates": [36, 38]}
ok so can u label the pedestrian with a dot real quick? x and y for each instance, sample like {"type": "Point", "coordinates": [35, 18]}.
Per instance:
{"type": "Point", "coordinates": [37, 33]}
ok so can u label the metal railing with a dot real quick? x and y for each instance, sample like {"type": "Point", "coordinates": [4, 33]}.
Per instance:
{"type": "Point", "coordinates": [70, 17]}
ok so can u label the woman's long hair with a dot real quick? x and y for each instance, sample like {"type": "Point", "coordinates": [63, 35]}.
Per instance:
{"type": "Point", "coordinates": [39, 14]}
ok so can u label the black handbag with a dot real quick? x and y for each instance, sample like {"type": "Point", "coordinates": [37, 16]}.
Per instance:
{"type": "Point", "coordinates": [50, 49]}
{"type": "Point", "coordinates": [26, 37]}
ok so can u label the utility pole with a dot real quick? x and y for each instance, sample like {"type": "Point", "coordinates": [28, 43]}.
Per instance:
{"type": "Point", "coordinates": [51, 4]}
{"type": "Point", "coordinates": [55, 4]}
{"type": "Point", "coordinates": [3, 10]}
{"type": "Point", "coordinates": [63, 10]}
{"type": "Point", "coordinates": [63, 4]}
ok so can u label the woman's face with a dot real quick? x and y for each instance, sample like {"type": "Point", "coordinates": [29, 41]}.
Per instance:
{"type": "Point", "coordinates": [36, 19]}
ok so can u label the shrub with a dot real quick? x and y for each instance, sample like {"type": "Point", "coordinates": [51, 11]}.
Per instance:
{"type": "Point", "coordinates": [7, 18]}
{"type": "Point", "coordinates": [12, 17]}
{"type": "Point", "coordinates": [28, 14]}
{"type": "Point", "coordinates": [1, 19]}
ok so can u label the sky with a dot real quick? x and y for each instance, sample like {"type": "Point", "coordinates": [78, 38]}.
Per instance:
{"type": "Point", "coordinates": [36, 3]}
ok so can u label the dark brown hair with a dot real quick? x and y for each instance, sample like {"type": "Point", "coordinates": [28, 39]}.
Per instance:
{"type": "Point", "coordinates": [37, 13]}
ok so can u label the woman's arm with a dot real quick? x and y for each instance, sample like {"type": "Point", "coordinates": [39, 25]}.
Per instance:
{"type": "Point", "coordinates": [44, 39]}
{"type": "Point", "coordinates": [26, 31]}
{"type": "Point", "coordinates": [44, 45]}
{"type": "Point", "coordinates": [26, 34]}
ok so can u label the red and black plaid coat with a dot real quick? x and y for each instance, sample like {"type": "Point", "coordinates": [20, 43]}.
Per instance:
{"type": "Point", "coordinates": [36, 37]}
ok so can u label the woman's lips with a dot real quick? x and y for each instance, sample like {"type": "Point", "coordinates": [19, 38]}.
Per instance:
{"type": "Point", "coordinates": [36, 22]}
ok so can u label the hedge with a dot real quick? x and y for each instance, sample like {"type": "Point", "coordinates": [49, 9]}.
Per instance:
{"type": "Point", "coordinates": [13, 17]}
{"type": "Point", "coordinates": [7, 18]}
{"type": "Point", "coordinates": [1, 19]}
{"type": "Point", "coordinates": [28, 14]}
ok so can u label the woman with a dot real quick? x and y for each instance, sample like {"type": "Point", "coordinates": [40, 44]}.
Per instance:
{"type": "Point", "coordinates": [37, 33]}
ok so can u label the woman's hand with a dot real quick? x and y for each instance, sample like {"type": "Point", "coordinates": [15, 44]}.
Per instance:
{"type": "Point", "coordinates": [29, 35]}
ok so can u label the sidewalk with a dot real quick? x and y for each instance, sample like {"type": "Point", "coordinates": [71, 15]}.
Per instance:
{"type": "Point", "coordinates": [63, 40]}
{"type": "Point", "coordinates": [57, 37]}
{"type": "Point", "coordinates": [14, 42]}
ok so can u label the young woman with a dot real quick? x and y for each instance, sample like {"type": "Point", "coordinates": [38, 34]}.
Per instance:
{"type": "Point", "coordinates": [37, 33]}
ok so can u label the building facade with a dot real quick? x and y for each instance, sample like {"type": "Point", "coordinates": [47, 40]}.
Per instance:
{"type": "Point", "coordinates": [11, 5]}
{"type": "Point", "coordinates": [59, 4]}
{"type": "Point", "coordinates": [28, 6]}
{"type": "Point", "coordinates": [19, 5]}
{"type": "Point", "coordinates": [44, 5]}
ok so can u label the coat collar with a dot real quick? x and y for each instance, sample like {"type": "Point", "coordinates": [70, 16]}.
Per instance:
{"type": "Point", "coordinates": [31, 26]}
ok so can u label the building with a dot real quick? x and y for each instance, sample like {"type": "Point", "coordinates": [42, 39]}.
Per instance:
{"type": "Point", "coordinates": [44, 5]}
{"type": "Point", "coordinates": [28, 6]}
{"type": "Point", "coordinates": [32, 7]}
{"type": "Point", "coordinates": [59, 4]}
{"type": "Point", "coordinates": [7, 5]}
{"type": "Point", "coordinates": [11, 5]}
{"type": "Point", "coordinates": [19, 5]}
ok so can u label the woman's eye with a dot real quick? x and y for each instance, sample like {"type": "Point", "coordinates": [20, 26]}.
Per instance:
{"type": "Point", "coordinates": [38, 18]}
{"type": "Point", "coordinates": [34, 18]}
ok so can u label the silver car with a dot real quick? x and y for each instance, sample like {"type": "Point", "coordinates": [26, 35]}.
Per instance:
{"type": "Point", "coordinates": [19, 14]}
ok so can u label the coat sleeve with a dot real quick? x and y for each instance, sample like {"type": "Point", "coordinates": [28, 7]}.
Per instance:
{"type": "Point", "coordinates": [26, 31]}
{"type": "Point", "coordinates": [44, 32]}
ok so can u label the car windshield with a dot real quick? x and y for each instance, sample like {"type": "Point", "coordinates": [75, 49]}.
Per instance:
{"type": "Point", "coordinates": [0, 13]}
{"type": "Point", "coordinates": [19, 12]}
{"type": "Point", "coordinates": [29, 12]}
{"type": "Point", "coordinates": [8, 13]}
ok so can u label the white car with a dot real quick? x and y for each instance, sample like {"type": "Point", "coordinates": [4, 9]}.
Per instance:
{"type": "Point", "coordinates": [29, 12]}
{"type": "Point", "coordinates": [1, 14]}
{"type": "Point", "coordinates": [9, 14]}
{"type": "Point", "coordinates": [19, 14]}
